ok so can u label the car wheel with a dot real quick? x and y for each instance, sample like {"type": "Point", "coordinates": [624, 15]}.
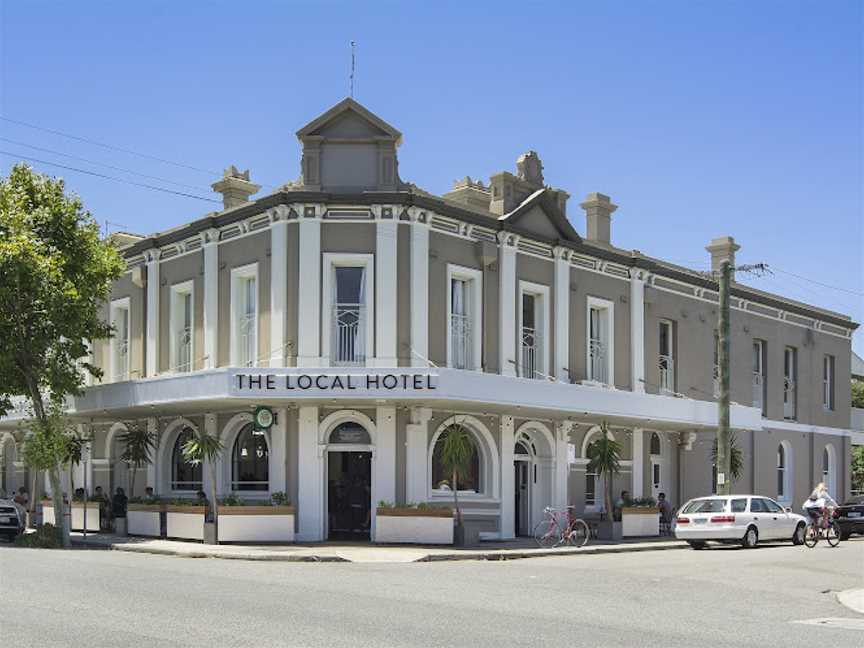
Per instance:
{"type": "Point", "coordinates": [696, 545]}
{"type": "Point", "coordinates": [798, 536]}
{"type": "Point", "coordinates": [751, 538]}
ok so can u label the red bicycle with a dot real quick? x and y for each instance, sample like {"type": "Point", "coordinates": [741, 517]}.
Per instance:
{"type": "Point", "coordinates": [822, 526]}
{"type": "Point", "coordinates": [559, 527]}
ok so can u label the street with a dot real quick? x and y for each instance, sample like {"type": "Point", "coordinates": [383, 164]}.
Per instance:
{"type": "Point", "coordinates": [721, 597]}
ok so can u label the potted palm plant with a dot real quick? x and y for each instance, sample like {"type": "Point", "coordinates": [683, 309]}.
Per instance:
{"type": "Point", "coordinates": [138, 447]}
{"type": "Point", "coordinates": [604, 459]}
{"type": "Point", "coordinates": [202, 447]}
{"type": "Point", "coordinates": [456, 454]}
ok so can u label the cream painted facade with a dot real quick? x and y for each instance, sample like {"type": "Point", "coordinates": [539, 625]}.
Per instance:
{"type": "Point", "coordinates": [484, 306]}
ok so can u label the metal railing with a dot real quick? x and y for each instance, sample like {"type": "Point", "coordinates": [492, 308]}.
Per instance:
{"type": "Point", "coordinates": [183, 359]}
{"type": "Point", "coordinates": [597, 364]}
{"type": "Point", "coordinates": [666, 364]}
{"type": "Point", "coordinates": [758, 389]}
{"type": "Point", "coordinates": [348, 341]}
{"type": "Point", "coordinates": [461, 347]}
{"type": "Point", "coordinates": [530, 353]}
{"type": "Point", "coordinates": [121, 357]}
{"type": "Point", "coordinates": [789, 399]}
{"type": "Point", "coordinates": [247, 340]}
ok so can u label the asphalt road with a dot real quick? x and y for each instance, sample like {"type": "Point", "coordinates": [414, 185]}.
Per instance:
{"type": "Point", "coordinates": [720, 597]}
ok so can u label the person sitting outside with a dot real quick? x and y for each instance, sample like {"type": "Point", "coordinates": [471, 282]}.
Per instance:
{"type": "Point", "coordinates": [203, 501]}
{"type": "Point", "coordinates": [665, 509]}
{"type": "Point", "coordinates": [118, 504]}
{"type": "Point", "coordinates": [817, 505]}
{"type": "Point", "coordinates": [104, 509]}
{"type": "Point", "coordinates": [619, 504]}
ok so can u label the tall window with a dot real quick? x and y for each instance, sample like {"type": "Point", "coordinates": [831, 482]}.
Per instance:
{"type": "Point", "coordinates": [759, 382]}
{"type": "Point", "coordinates": [348, 342]}
{"type": "Point", "coordinates": [781, 472]}
{"type": "Point", "coordinates": [119, 345]}
{"type": "Point", "coordinates": [244, 302]}
{"type": "Point", "coordinates": [184, 476]}
{"type": "Point", "coordinates": [533, 330]}
{"type": "Point", "coordinates": [181, 327]}
{"type": "Point", "coordinates": [250, 461]}
{"type": "Point", "coordinates": [464, 317]}
{"type": "Point", "coordinates": [442, 480]}
{"type": "Point", "coordinates": [666, 359]}
{"type": "Point", "coordinates": [790, 379]}
{"type": "Point", "coordinates": [828, 382]}
{"type": "Point", "coordinates": [600, 344]}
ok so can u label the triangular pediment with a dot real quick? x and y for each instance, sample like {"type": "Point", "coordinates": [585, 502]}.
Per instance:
{"type": "Point", "coordinates": [539, 214]}
{"type": "Point", "coordinates": [348, 120]}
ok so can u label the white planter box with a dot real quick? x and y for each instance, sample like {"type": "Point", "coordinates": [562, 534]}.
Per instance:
{"type": "Point", "coordinates": [77, 520]}
{"type": "Point", "coordinates": [188, 525]}
{"type": "Point", "coordinates": [48, 514]}
{"type": "Point", "coordinates": [640, 522]}
{"type": "Point", "coordinates": [413, 529]}
{"type": "Point", "coordinates": [256, 524]}
{"type": "Point", "coordinates": [143, 523]}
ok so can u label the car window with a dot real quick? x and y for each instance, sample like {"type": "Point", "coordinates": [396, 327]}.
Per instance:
{"type": "Point", "coordinates": [739, 505]}
{"type": "Point", "coordinates": [757, 505]}
{"type": "Point", "coordinates": [773, 506]}
{"type": "Point", "coordinates": [714, 505]}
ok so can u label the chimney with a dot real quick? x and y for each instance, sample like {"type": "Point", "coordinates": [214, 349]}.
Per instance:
{"type": "Point", "coordinates": [598, 214]}
{"type": "Point", "coordinates": [722, 249]}
{"type": "Point", "coordinates": [235, 187]}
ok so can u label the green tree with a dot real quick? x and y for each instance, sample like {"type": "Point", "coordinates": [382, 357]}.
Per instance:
{"type": "Point", "coordinates": [858, 467]}
{"type": "Point", "coordinates": [75, 446]}
{"type": "Point", "coordinates": [604, 458]}
{"type": "Point", "coordinates": [202, 447]}
{"type": "Point", "coordinates": [139, 445]}
{"type": "Point", "coordinates": [857, 393]}
{"type": "Point", "coordinates": [55, 274]}
{"type": "Point", "coordinates": [736, 457]}
{"type": "Point", "coordinates": [456, 454]}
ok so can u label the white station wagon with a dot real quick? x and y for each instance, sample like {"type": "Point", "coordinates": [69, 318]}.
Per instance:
{"type": "Point", "coordinates": [738, 519]}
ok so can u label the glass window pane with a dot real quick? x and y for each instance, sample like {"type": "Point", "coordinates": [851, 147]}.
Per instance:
{"type": "Point", "coordinates": [184, 476]}
{"type": "Point", "coordinates": [739, 505]}
{"type": "Point", "coordinates": [348, 284]}
{"type": "Point", "coordinates": [250, 461]}
{"type": "Point", "coordinates": [441, 479]}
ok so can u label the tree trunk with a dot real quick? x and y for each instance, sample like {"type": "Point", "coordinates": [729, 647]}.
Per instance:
{"type": "Point", "coordinates": [59, 509]}
{"type": "Point", "coordinates": [456, 498]}
{"type": "Point", "coordinates": [215, 502]}
{"type": "Point", "coordinates": [131, 492]}
{"type": "Point", "coordinates": [608, 498]}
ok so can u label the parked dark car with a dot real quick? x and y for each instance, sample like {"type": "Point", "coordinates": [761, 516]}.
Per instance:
{"type": "Point", "coordinates": [850, 516]}
{"type": "Point", "coordinates": [11, 519]}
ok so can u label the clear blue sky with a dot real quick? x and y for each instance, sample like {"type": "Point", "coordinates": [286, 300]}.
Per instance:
{"type": "Point", "coordinates": [699, 118]}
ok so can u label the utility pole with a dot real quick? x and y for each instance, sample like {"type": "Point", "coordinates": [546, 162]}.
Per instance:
{"type": "Point", "coordinates": [724, 452]}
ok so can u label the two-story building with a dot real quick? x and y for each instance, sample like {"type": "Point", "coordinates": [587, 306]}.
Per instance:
{"type": "Point", "coordinates": [370, 315]}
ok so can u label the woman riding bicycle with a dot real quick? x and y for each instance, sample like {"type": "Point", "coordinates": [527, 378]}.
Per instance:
{"type": "Point", "coordinates": [816, 506]}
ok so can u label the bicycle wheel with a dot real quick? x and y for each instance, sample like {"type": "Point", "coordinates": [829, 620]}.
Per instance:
{"type": "Point", "coordinates": [547, 533]}
{"type": "Point", "coordinates": [579, 533]}
{"type": "Point", "coordinates": [811, 535]}
{"type": "Point", "coordinates": [832, 534]}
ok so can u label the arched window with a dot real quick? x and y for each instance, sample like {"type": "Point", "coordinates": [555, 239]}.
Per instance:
{"type": "Point", "coordinates": [184, 476]}
{"type": "Point", "coordinates": [781, 472]}
{"type": "Point", "coordinates": [470, 482]}
{"type": "Point", "coordinates": [350, 433]}
{"type": "Point", "coordinates": [250, 461]}
{"type": "Point", "coordinates": [655, 444]}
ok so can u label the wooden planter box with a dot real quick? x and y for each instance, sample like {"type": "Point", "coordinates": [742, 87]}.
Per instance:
{"type": "Point", "coordinates": [640, 521]}
{"type": "Point", "coordinates": [414, 526]}
{"type": "Point", "coordinates": [77, 519]}
{"type": "Point", "coordinates": [256, 523]}
{"type": "Point", "coordinates": [185, 522]}
{"type": "Point", "coordinates": [144, 520]}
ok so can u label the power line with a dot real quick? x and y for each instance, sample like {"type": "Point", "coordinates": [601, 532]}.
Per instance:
{"type": "Point", "coordinates": [107, 166]}
{"type": "Point", "coordinates": [819, 283]}
{"type": "Point", "coordinates": [108, 177]}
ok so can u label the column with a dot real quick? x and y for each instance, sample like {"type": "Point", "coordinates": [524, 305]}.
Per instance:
{"type": "Point", "coordinates": [278, 450]}
{"type": "Point", "coordinates": [507, 304]}
{"type": "Point", "coordinates": [637, 331]}
{"type": "Point", "coordinates": [419, 294]}
{"type": "Point", "coordinates": [562, 467]}
{"type": "Point", "coordinates": [385, 455]}
{"type": "Point", "coordinates": [562, 315]}
{"type": "Point", "coordinates": [211, 428]}
{"type": "Point", "coordinates": [309, 295]}
{"type": "Point", "coordinates": [310, 477]}
{"type": "Point", "coordinates": [416, 443]}
{"type": "Point", "coordinates": [153, 428]}
{"type": "Point", "coordinates": [638, 474]}
{"type": "Point", "coordinates": [211, 298]}
{"type": "Point", "coordinates": [508, 484]}
{"type": "Point", "coordinates": [152, 357]}
{"type": "Point", "coordinates": [385, 294]}
{"type": "Point", "coordinates": [278, 290]}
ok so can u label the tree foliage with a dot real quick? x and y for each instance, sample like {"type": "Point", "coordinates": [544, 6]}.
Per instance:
{"type": "Point", "coordinates": [202, 447]}
{"type": "Point", "coordinates": [857, 393]}
{"type": "Point", "coordinates": [139, 445]}
{"type": "Point", "coordinates": [736, 456]}
{"type": "Point", "coordinates": [858, 467]}
{"type": "Point", "coordinates": [604, 458]}
{"type": "Point", "coordinates": [456, 453]}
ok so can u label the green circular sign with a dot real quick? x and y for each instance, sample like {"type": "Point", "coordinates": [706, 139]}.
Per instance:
{"type": "Point", "coordinates": [263, 418]}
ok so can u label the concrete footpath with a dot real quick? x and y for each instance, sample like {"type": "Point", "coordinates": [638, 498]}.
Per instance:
{"type": "Point", "coordinates": [365, 552]}
{"type": "Point", "coordinates": [852, 599]}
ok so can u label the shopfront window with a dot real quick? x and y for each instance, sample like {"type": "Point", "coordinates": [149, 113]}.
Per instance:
{"type": "Point", "coordinates": [250, 461]}
{"type": "Point", "coordinates": [441, 478]}
{"type": "Point", "coordinates": [184, 475]}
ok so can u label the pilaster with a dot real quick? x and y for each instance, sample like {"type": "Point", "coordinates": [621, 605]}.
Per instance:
{"type": "Point", "coordinates": [561, 317]}
{"type": "Point", "coordinates": [637, 330]}
{"type": "Point", "coordinates": [419, 291]}
{"type": "Point", "coordinates": [385, 455]}
{"type": "Point", "coordinates": [508, 485]}
{"type": "Point", "coordinates": [153, 283]}
{"type": "Point", "coordinates": [638, 472]}
{"type": "Point", "coordinates": [309, 293]}
{"type": "Point", "coordinates": [416, 442]}
{"type": "Point", "coordinates": [278, 451]}
{"type": "Point", "coordinates": [562, 467]}
{"type": "Point", "coordinates": [385, 293]}
{"type": "Point", "coordinates": [153, 428]}
{"type": "Point", "coordinates": [278, 288]}
{"type": "Point", "coordinates": [310, 477]}
{"type": "Point", "coordinates": [507, 302]}
{"type": "Point", "coordinates": [211, 298]}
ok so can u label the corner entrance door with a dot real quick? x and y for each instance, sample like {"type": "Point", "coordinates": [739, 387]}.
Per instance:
{"type": "Point", "coordinates": [522, 487]}
{"type": "Point", "coordinates": [349, 495]}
